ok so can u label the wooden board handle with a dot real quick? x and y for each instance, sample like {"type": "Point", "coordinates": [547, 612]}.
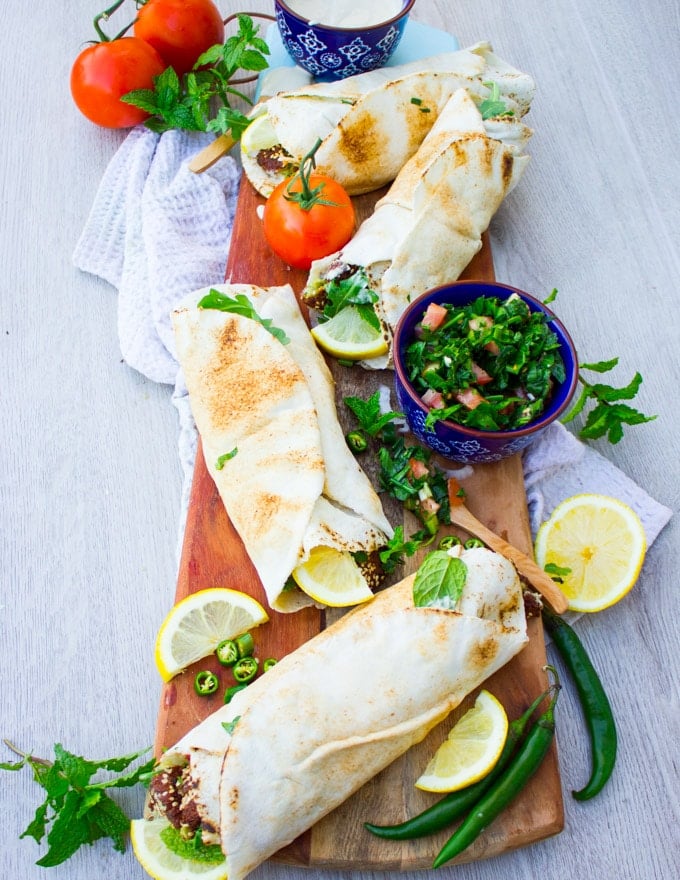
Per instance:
{"type": "Point", "coordinates": [526, 566]}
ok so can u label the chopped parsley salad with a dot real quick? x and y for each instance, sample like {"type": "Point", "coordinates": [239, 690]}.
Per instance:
{"type": "Point", "coordinates": [491, 365]}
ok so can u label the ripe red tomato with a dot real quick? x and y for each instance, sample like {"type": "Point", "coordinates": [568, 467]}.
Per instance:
{"type": "Point", "coordinates": [105, 71]}
{"type": "Point", "coordinates": [180, 30]}
{"type": "Point", "coordinates": [299, 236]}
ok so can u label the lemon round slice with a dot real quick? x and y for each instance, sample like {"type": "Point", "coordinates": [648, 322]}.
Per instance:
{"type": "Point", "coordinates": [349, 336]}
{"type": "Point", "coordinates": [160, 862]}
{"type": "Point", "coordinates": [601, 541]}
{"type": "Point", "coordinates": [259, 135]}
{"type": "Point", "coordinates": [197, 624]}
{"type": "Point", "coordinates": [333, 578]}
{"type": "Point", "coordinates": [471, 749]}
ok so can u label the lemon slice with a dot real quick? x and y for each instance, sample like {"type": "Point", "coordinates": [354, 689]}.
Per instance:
{"type": "Point", "coordinates": [333, 578]}
{"type": "Point", "coordinates": [348, 336]}
{"type": "Point", "coordinates": [471, 749]}
{"type": "Point", "coordinates": [197, 624]}
{"type": "Point", "coordinates": [160, 862]}
{"type": "Point", "coordinates": [601, 540]}
{"type": "Point", "coordinates": [259, 135]}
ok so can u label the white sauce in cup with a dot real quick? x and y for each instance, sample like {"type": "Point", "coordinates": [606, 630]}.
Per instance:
{"type": "Point", "coordinates": [346, 13]}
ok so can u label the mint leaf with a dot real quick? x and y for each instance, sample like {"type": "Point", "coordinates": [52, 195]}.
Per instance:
{"type": "Point", "coordinates": [368, 414]}
{"type": "Point", "coordinates": [240, 305]}
{"type": "Point", "coordinates": [439, 581]}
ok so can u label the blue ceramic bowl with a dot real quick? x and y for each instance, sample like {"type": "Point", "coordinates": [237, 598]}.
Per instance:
{"type": "Point", "coordinates": [456, 442]}
{"type": "Point", "coordinates": [331, 53]}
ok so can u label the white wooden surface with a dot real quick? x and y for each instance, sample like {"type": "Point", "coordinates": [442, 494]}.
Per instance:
{"type": "Point", "coordinates": [90, 481]}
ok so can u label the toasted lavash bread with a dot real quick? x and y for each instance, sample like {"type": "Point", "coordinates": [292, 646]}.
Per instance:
{"type": "Point", "coordinates": [292, 483]}
{"type": "Point", "coordinates": [345, 705]}
{"type": "Point", "coordinates": [429, 224]}
{"type": "Point", "coordinates": [372, 123]}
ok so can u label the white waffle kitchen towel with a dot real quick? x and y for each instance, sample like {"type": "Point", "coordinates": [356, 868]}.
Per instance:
{"type": "Point", "coordinates": [157, 232]}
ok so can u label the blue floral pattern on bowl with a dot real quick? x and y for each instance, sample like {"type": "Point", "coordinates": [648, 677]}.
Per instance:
{"type": "Point", "coordinates": [334, 53]}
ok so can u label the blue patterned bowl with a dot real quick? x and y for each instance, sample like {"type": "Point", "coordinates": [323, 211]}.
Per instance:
{"type": "Point", "coordinates": [456, 442]}
{"type": "Point", "coordinates": [331, 53]}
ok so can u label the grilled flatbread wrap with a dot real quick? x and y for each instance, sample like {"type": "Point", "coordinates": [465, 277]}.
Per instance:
{"type": "Point", "coordinates": [429, 224]}
{"type": "Point", "coordinates": [292, 484]}
{"type": "Point", "coordinates": [338, 710]}
{"type": "Point", "coordinates": [371, 124]}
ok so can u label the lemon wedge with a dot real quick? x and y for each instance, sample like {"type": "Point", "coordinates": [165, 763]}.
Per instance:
{"type": "Point", "coordinates": [349, 336]}
{"type": "Point", "coordinates": [160, 862]}
{"type": "Point", "coordinates": [259, 135]}
{"type": "Point", "coordinates": [198, 623]}
{"type": "Point", "coordinates": [471, 749]}
{"type": "Point", "coordinates": [333, 578]}
{"type": "Point", "coordinates": [601, 541]}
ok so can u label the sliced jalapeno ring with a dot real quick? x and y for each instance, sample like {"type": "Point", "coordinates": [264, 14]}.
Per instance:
{"type": "Point", "coordinates": [206, 683]}
{"type": "Point", "coordinates": [246, 669]}
{"type": "Point", "coordinates": [231, 691]}
{"type": "Point", "coordinates": [268, 663]}
{"type": "Point", "coordinates": [357, 441]}
{"type": "Point", "coordinates": [473, 542]}
{"type": "Point", "coordinates": [449, 541]}
{"type": "Point", "coordinates": [227, 652]}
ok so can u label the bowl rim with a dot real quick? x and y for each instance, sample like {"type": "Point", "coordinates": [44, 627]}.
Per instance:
{"type": "Point", "coordinates": [407, 7]}
{"type": "Point", "coordinates": [475, 433]}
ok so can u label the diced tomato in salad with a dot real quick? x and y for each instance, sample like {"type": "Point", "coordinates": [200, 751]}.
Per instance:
{"type": "Point", "coordinates": [417, 468]}
{"type": "Point", "coordinates": [469, 397]}
{"type": "Point", "coordinates": [434, 316]}
{"type": "Point", "coordinates": [433, 399]}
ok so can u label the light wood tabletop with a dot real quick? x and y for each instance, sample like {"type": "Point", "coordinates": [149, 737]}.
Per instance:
{"type": "Point", "coordinates": [91, 481]}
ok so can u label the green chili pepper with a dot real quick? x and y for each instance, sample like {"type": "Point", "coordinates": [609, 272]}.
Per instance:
{"type": "Point", "coordinates": [246, 669]}
{"type": "Point", "coordinates": [268, 663]}
{"type": "Point", "coordinates": [449, 541]}
{"type": "Point", "coordinates": [227, 652]}
{"type": "Point", "coordinates": [473, 542]}
{"type": "Point", "coordinates": [231, 650]}
{"type": "Point", "coordinates": [526, 762]}
{"type": "Point", "coordinates": [230, 692]}
{"type": "Point", "coordinates": [596, 706]}
{"type": "Point", "coordinates": [357, 442]}
{"type": "Point", "coordinates": [206, 683]}
{"type": "Point", "coordinates": [454, 805]}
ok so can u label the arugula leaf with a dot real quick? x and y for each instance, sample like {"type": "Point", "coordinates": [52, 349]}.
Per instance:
{"type": "Point", "coordinates": [241, 305]}
{"type": "Point", "coordinates": [188, 104]}
{"type": "Point", "coordinates": [77, 810]}
{"type": "Point", "coordinates": [355, 290]}
{"type": "Point", "coordinates": [439, 581]}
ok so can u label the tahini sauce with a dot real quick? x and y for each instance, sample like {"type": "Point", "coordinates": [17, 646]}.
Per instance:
{"type": "Point", "coordinates": [346, 13]}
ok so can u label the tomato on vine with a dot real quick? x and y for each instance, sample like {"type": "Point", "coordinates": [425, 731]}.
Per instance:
{"type": "Point", "coordinates": [106, 70]}
{"type": "Point", "coordinates": [308, 217]}
{"type": "Point", "coordinates": [180, 30]}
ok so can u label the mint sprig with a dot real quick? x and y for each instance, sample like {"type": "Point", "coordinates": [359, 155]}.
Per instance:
{"type": "Point", "coordinates": [77, 810]}
{"type": "Point", "coordinates": [201, 99]}
{"type": "Point", "coordinates": [439, 581]}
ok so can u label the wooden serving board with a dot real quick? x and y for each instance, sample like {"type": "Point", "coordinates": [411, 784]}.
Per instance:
{"type": "Point", "coordinates": [213, 555]}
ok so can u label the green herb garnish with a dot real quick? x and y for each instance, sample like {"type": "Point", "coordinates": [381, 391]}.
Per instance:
{"type": "Point", "coordinates": [609, 415]}
{"type": "Point", "coordinates": [240, 305]}
{"type": "Point", "coordinates": [230, 726]}
{"type": "Point", "coordinates": [188, 103]}
{"type": "Point", "coordinates": [355, 290]}
{"type": "Point", "coordinates": [439, 581]}
{"type": "Point", "coordinates": [78, 810]}
{"type": "Point", "coordinates": [368, 414]}
{"type": "Point", "coordinates": [191, 848]}
{"type": "Point", "coordinates": [556, 572]}
{"type": "Point", "coordinates": [494, 105]}
{"type": "Point", "coordinates": [223, 459]}
{"type": "Point", "coordinates": [398, 547]}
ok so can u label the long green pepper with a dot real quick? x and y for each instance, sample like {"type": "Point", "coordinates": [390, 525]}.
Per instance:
{"type": "Point", "coordinates": [597, 709]}
{"type": "Point", "coordinates": [454, 805]}
{"type": "Point", "coordinates": [526, 762]}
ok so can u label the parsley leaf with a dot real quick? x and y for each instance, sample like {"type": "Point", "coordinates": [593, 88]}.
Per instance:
{"type": "Point", "coordinates": [241, 305]}
{"type": "Point", "coordinates": [439, 581]}
{"type": "Point", "coordinates": [392, 555]}
{"type": "Point", "coordinates": [188, 103]}
{"type": "Point", "coordinates": [77, 810]}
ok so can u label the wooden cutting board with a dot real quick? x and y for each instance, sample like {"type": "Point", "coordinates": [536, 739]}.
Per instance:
{"type": "Point", "coordinates": [213, 555]}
